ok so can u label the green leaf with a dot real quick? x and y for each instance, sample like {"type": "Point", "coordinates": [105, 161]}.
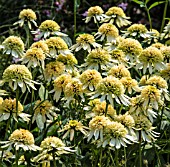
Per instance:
{"type": "Point", "coordinates": [156, 4]}
{"type": "Point", "coordinates": [43, 92]}
{"type": "Point", "coordinates": [138, 2]}
{"type": "Point", "coordinates": [39, 121]}
{"type": "Point", "coordinates": [164, 152]}
{"type": "Point", "coordinates": [147, 1]}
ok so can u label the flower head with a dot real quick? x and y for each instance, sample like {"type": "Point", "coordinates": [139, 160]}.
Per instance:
{"type": "Point", "coordinates": [158, 45]}
{"type": "Point", "coordinates": [108, 31]}
{"type": "Point", "coordinates": [53, 70]}
{"type": "Point", "coordinates": [119, 71]}
{"type": "Point", "coordinates": [34, 57]}
{"type": "Point", "coordinates": [71, 127]}
{"type": "Point", "coordinates": [130, 84]}
{"type": "Point", "coordinates": [42, 111]}
{"type": "Point", "coordinates": [60, 84]}
{"type": "Point", "coordinates": [90, 78]}
{"type": "Point", "coordinates": [165, 73]}
{"type": "Point", "coordinates": [13, 45]}
{"type": "Point", "coordinates": [116, 15]}
{"type": "Point", "coordinates": [49, 27]}
{"type": "Point", "coordinates": [21, 138]}
{"type": "Point", "coordinates": [73, 89]}
{"type": "Point", "coordinates": [84, 41]}
{"type": "Point", "coordinates": [18, 75]}
{"type": "Point", "coordinates": [95, 12]}
{"type": "Point", "coordinates": [42, 45]}
{"type": "Point", "coordinates": [111, 88]}
{"type": "Point", "coordinates": [165, 50]}
{"type": "Point", "coordinates": [56, 46]}
{"type": "Point", "coordinates": [96, 126]}
{"type": "Point", "coordinates": [68, 60]}
{"type": "Point", "coordinates": [131, 47]}
{"type": "Point", "coordinates": [96, 58]}
{"type": "Point", "coordinates": [27, 15]}
{"type": "Point", "coordinates": [151, 58]}
{"type": "Point", "coordinates": [8, 107]}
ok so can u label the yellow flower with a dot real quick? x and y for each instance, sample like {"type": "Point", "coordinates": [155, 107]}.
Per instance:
{"type": "Point", "coordinates": [74, 89]}
{"type": "Point", "coordinates": [119, 71]}
{"type": "Point", "coordinates": [27, 15]}
{"type": "Point", "coordinates": [116, 15]}
{"type": "Point", "coordinates": [59, 85]}
{"type": "Point", "coordinates": [56, 46]}
{"type": "Point", "coordinates": [85, 41]}
{"type": "Point", "coordinates": [8, 108]}
{"type": "Point", "coordinates": [97, 58]}
{"type": "Point", "coordinates": [158, 45]}
{"type": "Point", "coordinates": [68, 60]}
{"type": "Point", "coordinates": [95, 12]}
{"type": "Point", "coordinates": [131, 47]}
{"type": "Point", "coordinates": [165, 73]}
{"type": "Point", "coordinates": [18, 75]}
{"type": "Point", "coordinates": [53, 70]}
{"type": "Point", "coordinates": [47, 28]}
{"type": "Point", "coordinates": [13, 45]}
{"type": "Point", "coordinates": [71, 127]}
{"type": "Point", "coordinates": [90, 78]}
{"type": "Point", "coordinates": [96, 126]}
{"type": "Point", "coordinates": [143, 125]}
{"type": "Point", "coordinates": [165, 50]}
{"type": "Point", "coordinates": [21, 138]}
{"type": "Point", "coordinates": [151, 96]}
{"type": "Point", "coordinates": [130, 84]}
{"type": "Point", "coordinates": [42, 45]}
{"type": "Point", "coordinates": [107, 31]}
{"type": "Point", "coordinates": [42, 111]}
{"type": "Point", "coordinates": [111, 88]}
{"type": "Point", "coordinates": [151, 58]}
{"type": "Point", "coordinates": [34, 57]}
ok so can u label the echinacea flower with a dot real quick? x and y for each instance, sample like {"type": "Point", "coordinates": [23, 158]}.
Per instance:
{"type": "Point", "coordinates": [27, 16]}
{"type": "Point", "coordinates": [13, 45]}
{"type": "Point", "coordinates": [51, 147]}
{"type": "Point", "coordinates": [116, 135]}
{"type": "Point", "coordinates": [117, 16]}
{"type": "Point", "coordinates": [158, 45]}
{"type": "Point", "coordinates": [34, 57]}
{"type": "Point", "coordinates": [166, 31]}
{"type": "Point", "coordinates": [111, 88]}
{"type": "Point", "coordinates": [150, 58]}
{"type": "Point", "coordinates": [68, 60]}
{"type": "Point", "coordinates": [42, 45]}
{"type": "Point", "coordinates": [57, 46]}
{"type": "Point", "coordinates": [165, 50]}
{"type": "Point", "coordinates": [8, 108]}
{"type": "Point", "coordinates": [47, 28]}
{"type": "Point", "coordinates": [119, 71]}
{"type": "Point", "coordinates": [131, 47]}
{"type": "Point", "coordinates": [74, 90]}
{"type": "Point", "coordinates": [53, 70]}
{"type": "Point", "coordinates": [90, 78]}
{"type": "Point", "coordinates": [20, 138]}
{"type": "Point", "coordinates": [107, 31]}
{"type": "Point", "coordinates": [165, 73]}
{"type": "Point", "coordinates": [96, 127]}
{"type": "Point", "coordinates": [144, 126]}
{"type": "Point", "coordinates": [137, 31]}
{"type": "Point", "coordinates": [150, 95]}
{"type": "Point", "coordinates": [43, 110]}
{"type": "Point", "coordinates": [84, 41]}
{"type": "Point", "coordinates": [95, 12]}
{"type": "Point", "coordinates": [59, 85]}
{"type": "Point", "coordinates": [130, 84]}
{"type": "Point", "coordinates": [97, 58]}
{"type": "Point", "coordinates": [18, 75]}
{"type": "Point", "coordinates": [71, 127]}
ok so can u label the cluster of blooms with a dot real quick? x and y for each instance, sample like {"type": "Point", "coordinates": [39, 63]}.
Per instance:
{"type": "Point", "coordinates": [120, 87]}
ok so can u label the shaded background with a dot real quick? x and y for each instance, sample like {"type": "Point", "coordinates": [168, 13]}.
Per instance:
{"type": "Point", "coordinates": [62, 11]}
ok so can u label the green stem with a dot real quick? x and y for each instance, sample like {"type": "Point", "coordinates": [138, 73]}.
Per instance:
{"type": "Point", "coordinates": [17, 100]}
{"type": "Point", "coordinates": [116, 157]}
{"type": "Point", "coordinates": [54, 161]}
{"type": "Point", "coordinates": [111, 158]}
{"type": "Point", "coordinates": [100, 159]}
{"type": "Point", "coordinates": [107, 104]}
{"type": "Point", "coordinates": [140, 151]}
{"type": "Point", "coordinates": [27, 43]}
{"type": "Point", "coordinates": [164, 16]}
{"type": "Point", "coordinates": [149, 17]}
{"type": "Point", "coordinates": [75, 20]}
{"type": "Point", "coordinates": [16, 158]}
{"type": "Point", "coordinates": [125, 156]}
